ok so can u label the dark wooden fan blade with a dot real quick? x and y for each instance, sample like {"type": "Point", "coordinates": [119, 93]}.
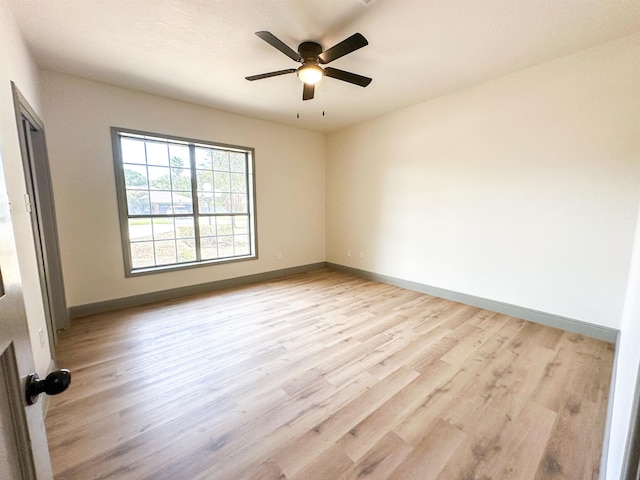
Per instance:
{"type": "Point", "coordinates": [275, 42]}
{"type": "Point", "coordinates": [307, 91]}
{"type": "Point", "coordinates": [270, 74]}
{"type": "Point", "coordinates": [351, 44]}
{"type": "Point", "coordinates": [347, 76]}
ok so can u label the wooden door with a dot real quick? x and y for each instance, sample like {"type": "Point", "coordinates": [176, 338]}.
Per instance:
{"type": "Point", "coordinates": [23, 443]}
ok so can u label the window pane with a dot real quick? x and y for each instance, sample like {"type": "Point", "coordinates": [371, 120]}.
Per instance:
{"type": "Point", "coordinates": [222, 203]}
{"type": "Point", "coordinates": [157, 153]}
{"type": "Point", "coordinates": [159, 178]}
{"type": "Point", "coordinates": [223, 226]}
{"type": "Point", "coordinates": [225, 246]}
{"type": "Point", "coordinates": [163, 228]}
{"type": "Point", "coordinates": [238, 183]}
{"type": "Point", "coordinates": [184, 227]}
{"type": "Point", "coordinates": [209, 248]}
{"type": "Point", "coordinates": [132, 151]}
{"type": "Point", "coordinates": [165, 252]}
{"type": "Point", "coordinates": [182, 203]}
{"type": "Point", "coordinates": [142, 254]}
{"type": "Point", "coordinates": [186, 250]}
{"type": "Point", "coordinates": [222, 182]}
{"type": "Point", "coordinates": [221, 160]}
{"type": "Point", "coordinates": [204, 178]}
{"type": "Point", "coordinates": [135, 177]}
{"type": "Point", "coordinates": [240, 225]}
{"type": "Point", "coordinates": [241, 245]}
{"type": "Point", "coordinates": [207, 226]}
{"type": "Point", "coordinates": [161, 202]}
{"type": "Point", "coordinates": [204, 158]}
{"type": "Point", "coordinates": [205, 202]}
{"type": "Point", "coordinates": [138, 202]}
{"type": "Point", "coordinates": [238, 203]}
{"type": "Point", "coordinates": [180, 179]}
{"type": "Point", "coordinates": [238, 162]}
{"type": "Point", "coordinates": [179, 155]}
{"type": "Point", "coordinates": [140, 229]}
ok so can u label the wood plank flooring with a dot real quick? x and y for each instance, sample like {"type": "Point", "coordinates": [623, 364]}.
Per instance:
{"type": "Point", "coordinates": [326, 376]}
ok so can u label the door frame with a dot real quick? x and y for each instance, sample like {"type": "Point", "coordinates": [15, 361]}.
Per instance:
{"type": "Point", "coordinates": [13, 387]}
{"type": "Point", "coordinates": [33, 148]}
{"type": "Point", "coordinates": [631, 459]}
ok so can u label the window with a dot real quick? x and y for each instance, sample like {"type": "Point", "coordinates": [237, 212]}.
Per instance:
{"type": "Point", "coordinates": [182, 202]}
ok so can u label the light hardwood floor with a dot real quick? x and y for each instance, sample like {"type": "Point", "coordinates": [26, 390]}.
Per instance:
{"type": "Point", "coordinates": [326, 376]}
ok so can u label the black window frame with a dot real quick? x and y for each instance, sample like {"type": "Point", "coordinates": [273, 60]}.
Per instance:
{"type": "Point", "coordinates": [117, 133]}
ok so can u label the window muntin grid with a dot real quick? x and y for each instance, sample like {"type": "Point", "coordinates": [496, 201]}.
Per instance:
{"type": "Point", "coordinates": [183, 202]}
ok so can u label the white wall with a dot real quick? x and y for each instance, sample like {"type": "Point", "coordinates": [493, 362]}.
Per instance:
{"type": "Point", "coordinates": [17, 65]}
{"type": "Point", "coordinates": [78, 114]}
{"type": "Point", "coordinates": [523, 190]}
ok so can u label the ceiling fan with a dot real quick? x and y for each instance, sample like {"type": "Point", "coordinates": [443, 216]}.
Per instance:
{"type": "Point", "coordinates": [311, 55]}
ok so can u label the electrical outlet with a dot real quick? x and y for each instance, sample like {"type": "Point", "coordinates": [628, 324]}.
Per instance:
{"type": "Point", "coordinates": [361, 254]}
{"type": "Point", "coordinates": [41, 334]}
{"type": "Point", "coordinates": [348, 252]}
{"type": "Point", "coordinates": [279, 255]}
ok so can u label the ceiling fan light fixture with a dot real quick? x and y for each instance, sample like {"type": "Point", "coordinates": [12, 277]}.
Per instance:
{"type": "Point", "coordinates": [310, 74]}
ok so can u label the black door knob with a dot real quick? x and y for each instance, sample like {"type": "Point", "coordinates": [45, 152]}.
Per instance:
{"type": "Point", "coordinates": [55, 383]}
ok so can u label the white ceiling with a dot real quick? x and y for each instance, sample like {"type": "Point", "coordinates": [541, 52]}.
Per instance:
{"type": "Point", "coordinates": [201, 50]}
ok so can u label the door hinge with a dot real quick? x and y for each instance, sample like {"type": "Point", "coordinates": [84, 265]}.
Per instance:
{"type": "Point", "coordinates": [27, 202]}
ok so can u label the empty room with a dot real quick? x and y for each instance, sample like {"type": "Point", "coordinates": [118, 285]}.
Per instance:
{"type": "Point", "coordinates": [305, 239]}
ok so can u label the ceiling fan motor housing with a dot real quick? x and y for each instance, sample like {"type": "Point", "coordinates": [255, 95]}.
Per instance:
{"type": "Point", "coordinates": [309, 52]}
